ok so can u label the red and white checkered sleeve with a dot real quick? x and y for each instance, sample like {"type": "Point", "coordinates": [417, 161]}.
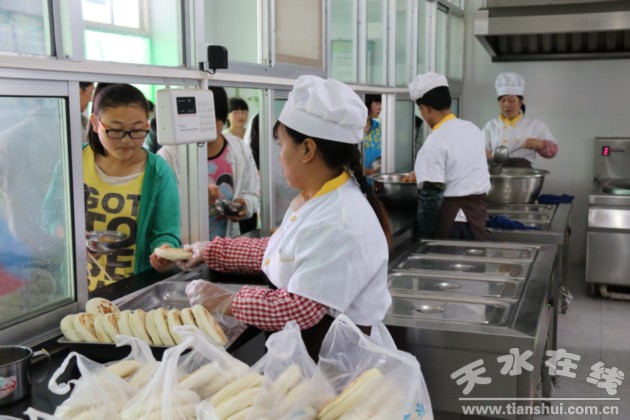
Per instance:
{"type": "Point", "coordinates": [270, 310]}
{"type": "Point", "coordinates": [235, 254]}
{"type": "Point", "coordinates": [550, 150]}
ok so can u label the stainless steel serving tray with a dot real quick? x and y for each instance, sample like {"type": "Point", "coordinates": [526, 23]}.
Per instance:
{"type": "Point", "coordinates": [471, 249]}
{"type": "Point", "coordinates": [167, 294]}
{"type": "Point", "coordinates": [409, 284]}
{"type": "Point", "coordinates": [493, 312]}
{"type": "Point", "coordinates": [462, 266]}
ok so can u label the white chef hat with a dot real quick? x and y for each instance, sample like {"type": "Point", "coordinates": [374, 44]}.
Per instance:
{"type": "Point", "coordinates": [510, 84]}
{"type": "Point", "coordinates": [325, 109]}
{"type": "Point", "coordinates": [424, 83]}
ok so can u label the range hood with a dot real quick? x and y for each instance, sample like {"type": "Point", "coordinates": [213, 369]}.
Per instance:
{"type": "Point", "coordinates": [584, 31]}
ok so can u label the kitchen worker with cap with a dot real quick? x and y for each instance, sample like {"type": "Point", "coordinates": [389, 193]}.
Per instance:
{"type": "Point", "coordinates": [330, 254]}
{"type": "Point", "coordinates": [525, 137]}
{"type": "Point", "coordinates": [450, 169]}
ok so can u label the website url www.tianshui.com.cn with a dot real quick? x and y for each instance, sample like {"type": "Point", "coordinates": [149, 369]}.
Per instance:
{"type": "Point", "coordinates": [540, 410]}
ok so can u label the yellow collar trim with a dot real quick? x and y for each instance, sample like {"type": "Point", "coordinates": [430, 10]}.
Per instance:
{"type": "Point", "coordinates": [333, 184]}
{"type": "Point", "coordinates": [511, 122]}
{"type": "Point", "coordinates": [448, 117]}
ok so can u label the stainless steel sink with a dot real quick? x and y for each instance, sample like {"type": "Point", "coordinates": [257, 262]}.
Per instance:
{"type": "Point", "coordinates": [466, 311]}
{"type": "Point", "coordinates": [465, 266]}
{"type": "Point", "coordinates": [468, 249]}
{"type": "Point", "coordinates": [413, 284]}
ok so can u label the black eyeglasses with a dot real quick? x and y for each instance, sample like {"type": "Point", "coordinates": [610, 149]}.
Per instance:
{"type": "Point", "coordinates": [120, 134]}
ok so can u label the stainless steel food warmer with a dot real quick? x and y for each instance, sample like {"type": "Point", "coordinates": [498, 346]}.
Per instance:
{"type": "Point", "coordinates": [608, 231]}
{"type": "Point", "coordinates": [449, 317]}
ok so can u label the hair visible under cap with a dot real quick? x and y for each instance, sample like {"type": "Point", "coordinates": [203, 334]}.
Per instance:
{"type": "Point", "coordinates": [438, 98]}
{"type": "Point", "coordinates": [338, 155]}
{"type": "Point", "coordinates": [112, 95]}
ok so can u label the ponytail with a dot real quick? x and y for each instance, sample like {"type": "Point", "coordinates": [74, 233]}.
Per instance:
{"type": "Point", "coordinates": [355, 167]}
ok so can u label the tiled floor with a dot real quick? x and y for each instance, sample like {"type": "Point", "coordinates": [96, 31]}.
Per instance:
{"type": "Point", "coordinates": [598, 330]}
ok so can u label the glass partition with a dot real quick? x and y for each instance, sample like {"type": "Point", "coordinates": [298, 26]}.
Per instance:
{"type": "Point", "coordinates": [234, 24]}
{"type": "Point", "coordinates": [441, 40]}
{"type": "Point", "coordinates": [403, 35]}
{"type": "Point", "coordinates": [421, 65]}
{"type": "Point", "coordinates": [405, 128]}
{"type": "Point", "coordinates": [376, 54]}
{"type": "Point", "coordinates": [456, 47]}
{"type": "Point", "coordinates": [134, 31]}
{"type": "Point", "coordinates": [25, 27]}
{"type": "Point", "coordinates": [343, 40]}
{"type": "Point", "coordinates": [34, 260]}
{"type": "Point", "coordinates": [282, 193]}
{"type": "Point", "coordinates": [298, 40]}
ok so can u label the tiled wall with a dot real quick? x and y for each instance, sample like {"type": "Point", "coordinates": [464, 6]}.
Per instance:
{"type": "Point", "coordinates": [578, 100]}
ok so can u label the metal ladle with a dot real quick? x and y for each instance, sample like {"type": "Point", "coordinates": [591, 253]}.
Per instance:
{"type": "Point", "coordinates": [500, 156]}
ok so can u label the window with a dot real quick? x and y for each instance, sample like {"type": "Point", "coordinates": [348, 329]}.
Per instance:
{"type": "Point", "coordinates": [404, 157]}
{"type": "Point", "coordinates": [376, 48]}
{"type": "Point", "coordinates": [343, 41]}
{"type": "Point", "coordinates": [421, 65]}
{"type": "Point", "coordinates": [298, 40]}
{"type": "Point", "coordinates": [34, 260]}
{"type": "Point", "coordinates": [25, 27]}
{"type": "Point", "coordinates": [235, 24]}
{"type": "Point", "coordinates": [402, 45]}
{"type": "Point", "coordinates": [133, 31]}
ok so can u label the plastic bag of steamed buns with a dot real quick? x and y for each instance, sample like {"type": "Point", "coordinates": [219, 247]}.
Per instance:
{"type": "Point", "coordinates": [102, 321]}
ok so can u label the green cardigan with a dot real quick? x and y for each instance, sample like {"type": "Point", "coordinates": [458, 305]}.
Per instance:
{"type": "Point", "coordinates": [158, 216]}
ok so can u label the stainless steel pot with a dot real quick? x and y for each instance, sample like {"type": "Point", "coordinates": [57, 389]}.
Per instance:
{"type": "Point", "coordinates": [15, 378]}
{"type": "Point", "coordinates": [516, 185]}
{"type": "Point", "coordinates": [392, 191]}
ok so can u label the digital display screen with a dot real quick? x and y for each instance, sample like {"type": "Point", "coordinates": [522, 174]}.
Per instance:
{"type": "Point", "coordinates": [186, 105]}
{"type": "Point", "coordinates": [605, 150]}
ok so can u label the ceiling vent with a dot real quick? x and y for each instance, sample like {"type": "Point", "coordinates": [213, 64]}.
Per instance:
{"type": "Point", "coordinates": [584, 31]}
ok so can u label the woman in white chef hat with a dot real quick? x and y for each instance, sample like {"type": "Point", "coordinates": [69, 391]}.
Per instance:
{"type": "Point", "coordinates": [450, 169]}
{"type": "Point", "coordinates": [330, 254]}
{"type": "Point", "coordinates": [523, 136]}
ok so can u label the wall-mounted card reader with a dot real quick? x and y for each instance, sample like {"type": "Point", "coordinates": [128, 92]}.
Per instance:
{"type": "Point", "coordinates": [185, 116]}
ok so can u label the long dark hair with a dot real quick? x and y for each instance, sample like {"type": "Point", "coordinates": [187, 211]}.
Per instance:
{"type": "Point", "coordinates": [338, 155]}
{"type": "Point", "coordinates": [112, 95]}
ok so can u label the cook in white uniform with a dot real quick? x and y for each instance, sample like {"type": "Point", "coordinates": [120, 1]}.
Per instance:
{"type": "Point", "coordinates": [330, 254]}
{"type": "Point", "coordinates": [523, 136]}
{"type": "Point", "coordinates": [450, 169]}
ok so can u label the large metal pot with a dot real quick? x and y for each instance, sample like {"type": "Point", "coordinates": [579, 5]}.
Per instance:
{"type": "Point", "coordinates": [392, 191]}
{"type": "Point", "coordinates": [516, 185]}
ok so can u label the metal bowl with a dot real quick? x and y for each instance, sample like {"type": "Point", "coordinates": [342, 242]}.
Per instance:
{"type": "Point", "coordinates": [105, 241]}
{"type": "Point", "coordinates": [392, 191]}
{"type": "Point", "coordinates": [516, 185]}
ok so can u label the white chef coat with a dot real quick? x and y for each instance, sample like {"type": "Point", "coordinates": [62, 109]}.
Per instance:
{"type": "Point", "coordinates": [454, 154]}
{"type": "Point", "coordinates": [501, 131]}
{"type": "Point", "coordinates": [331, 249]}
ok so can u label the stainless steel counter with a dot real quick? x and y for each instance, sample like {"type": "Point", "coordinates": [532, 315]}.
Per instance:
{"type": "Point", "coordinates": [449, 320]}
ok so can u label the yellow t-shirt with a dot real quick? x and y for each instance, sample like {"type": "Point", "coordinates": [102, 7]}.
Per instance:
{"type": "Point", "coordinates": [110, 207]}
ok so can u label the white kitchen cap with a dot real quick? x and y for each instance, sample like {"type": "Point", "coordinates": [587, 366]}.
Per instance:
{"type": "Point", "coordinates": [510, 84]}
{"type": "Point", "coordinates": [424, 83]}
{"type": "Point", "coordinates": [325, 109]}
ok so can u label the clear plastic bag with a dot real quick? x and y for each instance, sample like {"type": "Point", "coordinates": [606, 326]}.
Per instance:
{"type": "Point", "coordinates": [162, 397]}
{"type": "Point", "coordinates": [142, 355]}
{"type": "Point", "coordinates": [207, 367]}
{"type": "Point", "coordinates": [372, 378]}
{"type": "Point", "coordinates": [290, 388]}
{"type": "Point", "coordinates": [97, 394]}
